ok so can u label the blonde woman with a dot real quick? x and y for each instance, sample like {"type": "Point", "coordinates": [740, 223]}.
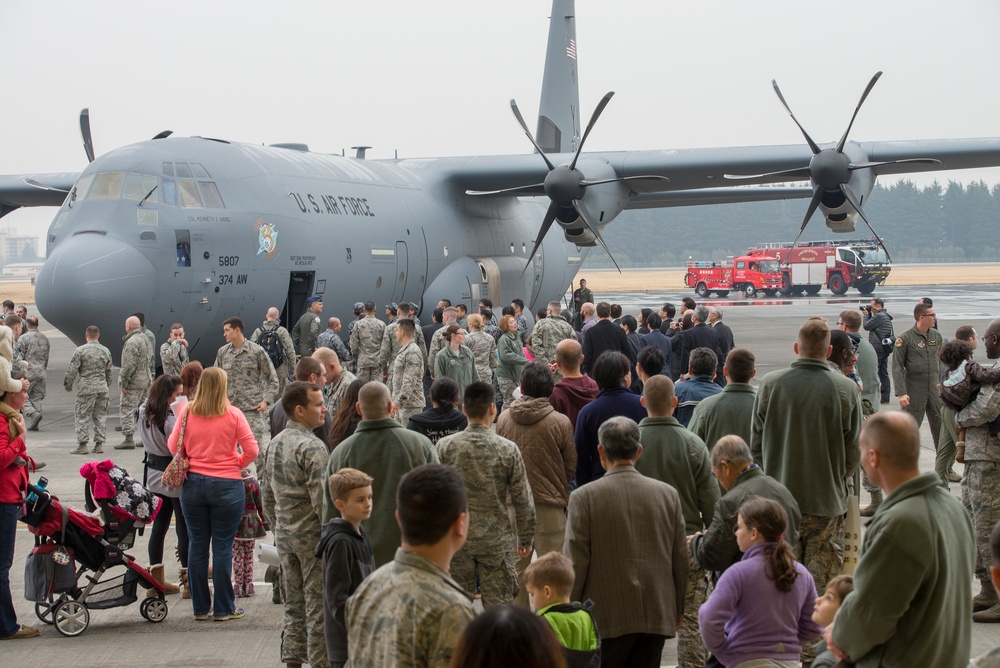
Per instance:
{"type": "Point", "coordinates": [512, 359]}
{"type": "Point", "coordinates": [483, 347]}
{"type": "Point", "coordinates": [217, 439]}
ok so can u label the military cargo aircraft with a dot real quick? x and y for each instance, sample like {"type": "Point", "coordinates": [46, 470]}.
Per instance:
{"type": "Point", "coordinates": [197, 229]}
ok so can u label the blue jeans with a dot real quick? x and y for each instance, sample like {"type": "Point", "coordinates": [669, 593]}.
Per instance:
{"type": "Point", "coordinates": [8, 527]}
{"type": "Point", "coordinates": [212, 510]}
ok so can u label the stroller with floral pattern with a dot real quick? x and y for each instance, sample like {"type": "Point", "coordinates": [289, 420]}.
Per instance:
{"type": "Point", "coordinates": [106, 577]}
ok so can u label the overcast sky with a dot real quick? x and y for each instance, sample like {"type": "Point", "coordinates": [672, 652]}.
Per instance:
{"type": "Point", "coordinates": [434, 78]}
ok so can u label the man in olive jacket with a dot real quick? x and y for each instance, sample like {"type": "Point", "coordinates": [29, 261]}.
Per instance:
{"type": "Point", "coordinates": [731, 411]}
{"type": "Point", "coordinates": [911, 600]}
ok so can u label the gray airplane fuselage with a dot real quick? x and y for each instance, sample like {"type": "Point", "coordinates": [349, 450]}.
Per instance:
{"type": "Point", "coordinates": [233, 229]}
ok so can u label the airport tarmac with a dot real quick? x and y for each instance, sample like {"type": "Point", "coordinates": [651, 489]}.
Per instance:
{"type": "Point", "coordinates": [122, 636]}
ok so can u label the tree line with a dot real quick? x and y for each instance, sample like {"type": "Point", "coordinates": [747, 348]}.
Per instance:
{"type": "Point", "coordinates": [953, 223]}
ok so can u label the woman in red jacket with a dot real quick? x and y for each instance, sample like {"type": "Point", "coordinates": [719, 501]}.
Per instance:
{"type": "Point", "coordinates": [14, 462]}
{"type": "Point", "coordinates": [218, 441]}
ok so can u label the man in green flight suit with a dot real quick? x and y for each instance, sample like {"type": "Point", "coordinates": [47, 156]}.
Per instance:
{"type": "Point", "coordinates": [915, 369]}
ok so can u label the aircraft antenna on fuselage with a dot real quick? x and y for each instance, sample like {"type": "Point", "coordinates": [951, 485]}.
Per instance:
{"type": "Point", "coordinates": [559, 107]}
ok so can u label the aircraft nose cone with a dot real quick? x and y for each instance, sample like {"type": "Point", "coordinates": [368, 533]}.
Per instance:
{"type": "Point", "coordinates": [91, 279]}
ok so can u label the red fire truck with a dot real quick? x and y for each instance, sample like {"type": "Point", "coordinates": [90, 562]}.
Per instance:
{"type": "Point", "coordinates": [857, 263]}
{"type": "Point", "coordinates": [748, 275]}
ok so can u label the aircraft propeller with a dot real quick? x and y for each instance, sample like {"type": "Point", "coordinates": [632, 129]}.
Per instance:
{"type": "Point", "coordinates": [564, 185]}
{"type": "Point", "coordinates": [88, 141]}
{"type": "Point", "coordinates": [830, 169]}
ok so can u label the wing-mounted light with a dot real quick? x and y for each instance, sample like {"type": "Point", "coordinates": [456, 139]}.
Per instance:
{"type": "Point", "coordinates": [566, 187]}
{"type": "Point", "coordinates": [835, 176]}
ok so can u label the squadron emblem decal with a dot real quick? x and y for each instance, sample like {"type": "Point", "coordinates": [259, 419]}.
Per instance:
{"type": "Point", "coordinates": [267, 238]}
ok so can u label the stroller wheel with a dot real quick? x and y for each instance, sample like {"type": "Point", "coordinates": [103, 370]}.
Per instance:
{"type": "Point", "coordinates": [43, 610]}
{"type": "Point", "coordinates": [153, 609]}
{"type": "Point", "coordinates": [71, 618]}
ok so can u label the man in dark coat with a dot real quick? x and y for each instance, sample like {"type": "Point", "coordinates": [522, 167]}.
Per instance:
{"type": "Point", "coordinates": [604, 336]}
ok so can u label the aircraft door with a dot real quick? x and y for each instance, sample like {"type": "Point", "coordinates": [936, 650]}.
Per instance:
{"type": "Point", "coordinates": [401, 271]}
{"type": "Point", "coordinates": [196, 278]}
{"type": "Point", "coordinates": [300, 287]}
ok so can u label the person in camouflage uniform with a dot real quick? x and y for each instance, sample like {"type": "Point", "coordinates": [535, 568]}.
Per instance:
{"type": "Point", "coordinates": [366, 344]}
{"type": "Point", "coordinates": [406, 380]}
{"type": "Point", "coordinates": [448, 317]}
{"type": "Point", "coordinates": [330, 338]}
{"type": "Point", "coordinates": [152, 344]}
{"type": "Point", "coordinates": [338, 379]}
{"type": "Point", "coordinates": [522, 322]}
{"type": "Point", "coordinates": [287, 347]}
{"type": "Point", "coordinates": [410, 612]}
{"type": "Point", "coordinates": [296, 470]}
{"type": "Point", "coordinates": [308, 328]}
{"type": "Point", "coordinates": [390, 342]}
{"type": "Point", "coordinates": [92, 363]}
{"type": "Point", "coordinates": [492, 468]}
{"type": "Point", "coordinates": [253, 384]}
{"type": "Point", "coordinates": [33, 348]}
{"type": "Point", "coordinates": [547, 334]}
{"type": "Point", "coordinates": [134, 377]}
{"type": "Point", "coordinates": [174, 351]}
{"type": "Point", "coordinates": [483, 347]}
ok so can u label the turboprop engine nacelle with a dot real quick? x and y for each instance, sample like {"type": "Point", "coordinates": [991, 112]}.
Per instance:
{"type": "Point", "coordinates": [602, 201]}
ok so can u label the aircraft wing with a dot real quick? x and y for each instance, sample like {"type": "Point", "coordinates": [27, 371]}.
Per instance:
{"type": "Point", "coordinates": [34, 190]}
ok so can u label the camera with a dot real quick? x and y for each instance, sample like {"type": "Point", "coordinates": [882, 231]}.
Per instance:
{"type": "Point", "coordinates": [867, 309]}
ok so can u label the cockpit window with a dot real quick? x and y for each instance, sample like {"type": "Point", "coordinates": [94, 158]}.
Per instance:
{"type": "Point", "coordinates": [190, 199]}
{"type": "Point", "coordinates": [107, 185]}
{"type": "Point", "coordinates": [210, 194]}
{"type": "Point", "coordinates": [198, 171]}
{"type": "Point", "coordinates": [138, 186]}
{"type": "Point", "coordinates": [169, 192]}
{"type": "Point", "coordinates": [79, 191]}
{"type": "Point", "coordinates": [168, 169]}
{"type": "Point", "coordinates": [182, 169]}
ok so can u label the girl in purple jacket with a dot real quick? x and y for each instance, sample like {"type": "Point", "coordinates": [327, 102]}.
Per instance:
{"type": "Point", "coordinates": [762, 606]}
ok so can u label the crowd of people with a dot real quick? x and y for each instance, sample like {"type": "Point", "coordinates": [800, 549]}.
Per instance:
{"type": "Point", "coordinates": [623, 475]}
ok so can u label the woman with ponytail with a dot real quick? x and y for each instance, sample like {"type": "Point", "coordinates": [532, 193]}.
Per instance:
{"type": "Point", "coordinates": [760, 613]}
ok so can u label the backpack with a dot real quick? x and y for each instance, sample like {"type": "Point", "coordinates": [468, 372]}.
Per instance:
{"type": "Point", "coordinates": [271, 343]}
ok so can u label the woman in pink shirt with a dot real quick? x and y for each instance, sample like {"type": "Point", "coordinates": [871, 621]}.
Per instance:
{"type": "Point", "coordinates": [218, 441]}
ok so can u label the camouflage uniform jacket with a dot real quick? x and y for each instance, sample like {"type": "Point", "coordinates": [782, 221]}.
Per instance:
{"type": "Point", "coordinates": [306, 331]}
{"type": "Point", "coordinates": [252, 379]}
{"type": "Point", "coordinates": [980, 446]}
{"type": "Point", "coordinates": [330, 339]}
{"type": "Point", "coordinates": [173, 356]}
{"type": "Point", "coordinates": [406, 382]}
{"type": "Point", "coordinates": [92, 363]}
{"type": "Point", "coordinates": [437, 343]}
{"type": "Point", "coordinates": [33, 348]}
{"type": "Point", "coordinates": [484, 348]}
{"type": "Point", "coordinates": [409, 613]}
{"type": "Point", "coordinates": [296, 470]}
{"type": "Point", "coordinates": [491, 467]}
{"type": "Point", "coordinates": [152, 352]}
{"type": "Point", "coordinates": [336, 390]}
{"type": "Point", "coordinates": [522, 327]}
{"type": "Point", "coordinates": [548, 333]}
{"type": "Point", "coordinates": [136, 355]}
{"type": "Point", "coordinates": [390, 345]}
{"type": "Point", "coordinates": [366, 341]}
{"type": "Point", "coordinates": [287, 347]}
{"type": "Point", "coordinates": [492, 329]}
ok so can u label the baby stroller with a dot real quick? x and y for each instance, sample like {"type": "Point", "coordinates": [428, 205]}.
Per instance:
{"type": "Point", "coordinates": [105, 577]}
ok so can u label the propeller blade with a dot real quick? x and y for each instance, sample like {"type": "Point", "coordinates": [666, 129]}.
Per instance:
{"type": "Point", "coordinates": [867, 165]}
{"type": "Point", "coordinates": [799, 172]}
{"type": "Point", "coordinates": [164, 134]}
{"type": "Point", "coordinates": [88, 142]}
{"type": "Point", "coordinates": [524, 126]}
{"type": "Point", "coordinates": [503, 191]}
{"type": "Point", "coordinates": [650, 177]}
{"type": "Point", "coordinates": [550, 217]}
{"type": "Point", "coordinates": [849, 194]}
{"type": "Point", "coordinates": [590, 126]}
{"type": "Point", "coordinates": [594, 229]}
{"type": "Point", "coordinates": [813, 205]}
{"type": "Point", "coordinates": [871, 84]}
{"type": "Point", "coordinates": [812, 144]}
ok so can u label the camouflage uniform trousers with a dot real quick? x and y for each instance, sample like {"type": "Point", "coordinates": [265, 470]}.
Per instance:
{"type": "Point", "coordinates": [129, 406]}
{"type": "Point", "coordinates": [493, 562]}
{"type": "Point", "coordinates": [90, 408]}
{"type": "Point", "coordinates": [302, 640]}
{"type": "Point", "coordinates": [282, 372]}
{"type": "Point", "coordinates": [369, 373]}
{"type": "Point", "coordinates": [983, 494]}
{"type": "Point", "coordinates": [691, 652]}
{"type": "Point", "coordinates": [261, 431]}
{"type": "Point", "coordinates": [36, 392]}
{"type": "Point", "coordinates": [406, 412]}
{"type": "Point", "coordinates": [550, 532]}
{"type": "Point", "coordinates": [821, 551]}
{"type": "Point", "coordinates": [507, 387]}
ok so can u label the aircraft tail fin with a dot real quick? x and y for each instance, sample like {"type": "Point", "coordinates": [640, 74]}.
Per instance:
{"type": "Point", "coordinates": [558, 111]}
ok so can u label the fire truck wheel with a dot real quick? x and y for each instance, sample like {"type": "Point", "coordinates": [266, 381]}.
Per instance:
{"type": "Point", "coordinates": [786, 286]}
{"type": "Point", "coordinates": [866, 287]}
{"type": "Point", "coordinates": [837, 284]}
{"type": "Point", "coordinates": [722, 293]}
{"type": "Point", "coordinates": [770, 293]}
{"type": "Point", "coordinates": [749, 290]}
{"type": "Point", "coordinates": [813, 289]}
{"type": "Point", "coordinates": [701, 290]}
